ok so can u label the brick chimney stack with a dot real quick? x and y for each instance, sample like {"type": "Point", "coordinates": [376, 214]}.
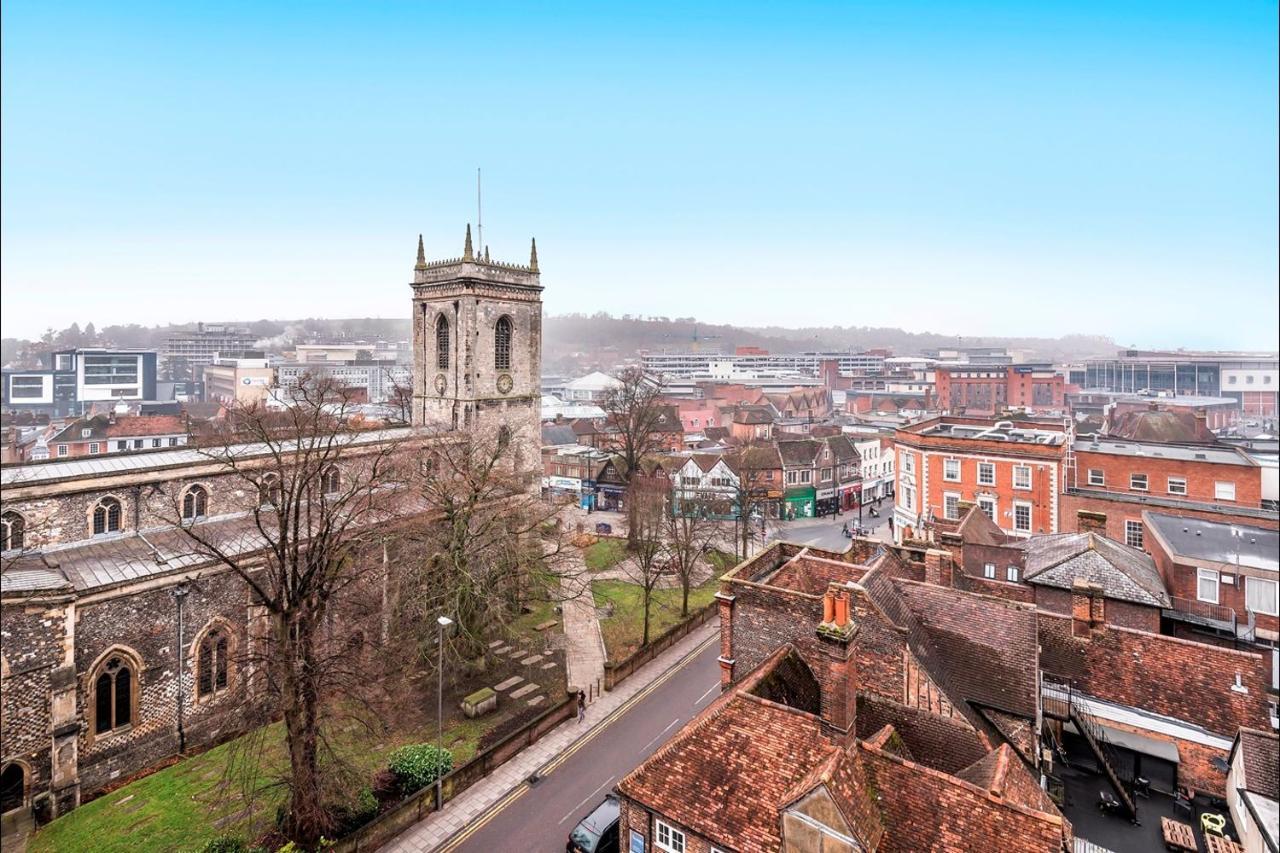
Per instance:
{"type": "Point", "coordinates": [937, 567]}
{"type": "Point", "coordinates": [1088, 608]}
{"type": "Point", "coordinates": [1091, 522]}
{"type": "Point", "coordinates": [836, 666]}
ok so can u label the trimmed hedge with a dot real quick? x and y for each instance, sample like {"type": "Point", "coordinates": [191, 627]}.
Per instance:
{"type": "Point", "coordinates": [418, 765]}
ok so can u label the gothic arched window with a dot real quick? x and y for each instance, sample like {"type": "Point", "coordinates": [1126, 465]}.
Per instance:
{"type": "Point", "coordinates": [212, 663]}
{"type": "Point", "coordinates": [195, 503]}
{"type": "Point", "coordinates": [442, 343]}
{"type": "Point", "coordinates": [331, 480]}
{"type": "Point", "coordinates": [502, 344]}
{"type": "Point", "coordinates": [106, 517]}
{"type": "Point", "coordinates": [269, 490]}
{"type": "Point", "coordinates": [14, 529]}
{"type": "Point", "coordinates": [114, 690]}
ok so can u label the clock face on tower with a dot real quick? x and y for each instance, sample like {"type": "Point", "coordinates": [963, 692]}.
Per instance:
{"type": "Point", "coordinates": [441, 383]}
{"type": "Point", "coordinates": [505, 383]}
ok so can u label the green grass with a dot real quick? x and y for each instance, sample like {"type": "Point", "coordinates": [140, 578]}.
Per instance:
{"type": "Point", "coordinates": [605, 554]}
{"type": "Point", "coordinates": [179, 804]}
{"type": "Point", "coordinates": [624, 630]}
{"type": "Point", "coordinates": [721, 561]}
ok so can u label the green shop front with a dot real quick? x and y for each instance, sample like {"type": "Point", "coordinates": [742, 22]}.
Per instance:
{"type": "Point", "coordinates": [798, 502]}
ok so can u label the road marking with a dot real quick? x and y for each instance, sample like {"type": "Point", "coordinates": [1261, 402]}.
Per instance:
{"type": "Point", "coordinates": [660, 734]}
{"type": "Point", "coordinates": [705, 695]}
{"type": "Point", "coordinates": [489, 814]}
{"type": "Point", "coordinates": [573, 811]}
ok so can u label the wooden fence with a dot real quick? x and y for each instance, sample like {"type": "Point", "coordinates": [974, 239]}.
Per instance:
{"type": "Point", "coordinates": [418, 806]}
{"type": "Point", "coordinates": [616, 671]}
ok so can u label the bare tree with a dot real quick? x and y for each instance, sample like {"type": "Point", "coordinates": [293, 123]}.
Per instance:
{"type": "Point", "coordinates": [321, 492]}
{"type": "Point", "coordinates": [756, 466]}
{"type": "Point", "coordinates": [493, 542]}
{"type": "Point", "coordinates": [649, 501]}
{"type": "Point", "coordinates": [634, 418]}
{"type": "Point", "coordinates": [690, 530]}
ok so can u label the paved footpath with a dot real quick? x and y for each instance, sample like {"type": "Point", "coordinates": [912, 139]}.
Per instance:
{"type": "Point", "coordinates": [444, 830]}
{"type": "Point", "coordinates": [584, 645]}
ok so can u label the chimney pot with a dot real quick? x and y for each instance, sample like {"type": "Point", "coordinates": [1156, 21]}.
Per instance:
{"type": "Point", "coordinates": [828, 607]}
{"type": "Point", "coordinates": [842, 609]}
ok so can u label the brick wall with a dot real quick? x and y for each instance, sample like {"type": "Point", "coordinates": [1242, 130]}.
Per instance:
{"type": "Point", "coordinates": [1117, 512]}
{"type": "Point", "coordinates": [33, 641]}
{"type": "Point", "coordinates": [1165, 675]}
{"type": "Point", "coordinates": [1200, 477]}
{"type": "Point", "coordinates": [1122, 613]}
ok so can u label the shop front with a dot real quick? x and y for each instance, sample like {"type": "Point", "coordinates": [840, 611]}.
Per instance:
{"type": "Point", "coordinates": [826, 502]}
{"type": "Point", "coordinates": [564, 487]}
{"type": "Point", "coordinates": [798, 503]}
{"type": "Point", "coordinates": [610, 497]}
{"type": "Point", "coordinates": [849, 496]}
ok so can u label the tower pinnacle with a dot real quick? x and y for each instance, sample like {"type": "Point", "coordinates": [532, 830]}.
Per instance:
{"type": "Point", "coordinates": [422, 255]}
{"type": "Point", "coordinates": [533, 254]}
{"type": "Point", "coordinates": [467, 253]}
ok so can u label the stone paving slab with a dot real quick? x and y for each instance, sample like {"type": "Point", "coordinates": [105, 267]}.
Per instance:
{"type": "Point", "coordinates": [548, 665]}
{"type": "Point", "coordinates": [509, 683]}
{"type": "Point", "coordinates": [496, 644]}
{"type": "Point", "coordinates": [436, 830]}
{"type": "Point", "coordinates": [531, 660]}
{"type": "Point", "coordinates": [536, 701]}
{"type": "Point", "coordinates": [523, 691]}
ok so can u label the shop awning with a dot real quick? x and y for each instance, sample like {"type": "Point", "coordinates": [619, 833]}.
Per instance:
{"type": "Point", "coordinates": [1142, 744]}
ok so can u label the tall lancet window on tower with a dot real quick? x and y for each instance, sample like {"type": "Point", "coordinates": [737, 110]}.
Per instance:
{"type": "Point", "coordinates": [442, 343]}
{"type": "Point", "coordinates": [502, 344]}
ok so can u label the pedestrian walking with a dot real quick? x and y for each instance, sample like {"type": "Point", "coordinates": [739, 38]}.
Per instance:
{"type": "Point", "coordinates": [582, 706]}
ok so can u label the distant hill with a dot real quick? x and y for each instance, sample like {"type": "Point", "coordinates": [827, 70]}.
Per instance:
{"type": "Point", "coordinates": [575, 341]}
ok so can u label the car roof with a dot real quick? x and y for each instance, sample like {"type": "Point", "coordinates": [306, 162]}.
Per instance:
{"type": "Point", "coordinates": [602, 816]}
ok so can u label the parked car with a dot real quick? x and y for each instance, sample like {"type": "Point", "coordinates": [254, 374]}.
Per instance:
{"type": "Point", "coordinates": [598, 831]}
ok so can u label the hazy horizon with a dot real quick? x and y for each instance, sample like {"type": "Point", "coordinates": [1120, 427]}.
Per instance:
{"type": "Point", "coordinates": [988, 171]}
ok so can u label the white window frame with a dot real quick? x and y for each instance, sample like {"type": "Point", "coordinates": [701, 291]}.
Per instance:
{"type": "Point", "coordinates": [984, 500]}
{"type": "Point", "coordinates": [1011, 574]}
{"type": "Point", "coordinates": [989, 571]}
{"type": "Point", "coordinates": [1212, 576]}
{"type": "Point", "coordinates": [908, 462]}
{"type": "Point", "coordinates": [946, 470]}
{"type": "Point", "coordinates": [63, 450]}
{"type": "Point", "coordinates": [94, 447]}
{"type": "Point", "coordinates": [671, 845]}
{"type": "Point", "coordinates": [1133, 482]}
{"type": "Point", "coordinates": [1224, 490]}
{"type": "Point", "coordinates": [1030, 516]}
{"type": "Point", "coordinates": [1101, 479]}
{"type": "Point", "coordinates": [1131, 525]}
{"type": "Point", "coordinates": [986, 467]}
{"type": "Point", "coordinates": [946, 506]}
{"type": "Point", "coordinates": [908, 497]}
{"type": "Point", "coordinates": [1176, 485]}
{"type": "Point", "coordinates": [1274, 601]}
{"type": "Point", "coordinates": [1016, 482]}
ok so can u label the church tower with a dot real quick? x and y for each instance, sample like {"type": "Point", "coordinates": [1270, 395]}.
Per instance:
{"type": "Point", "coordinates": [477, 343]}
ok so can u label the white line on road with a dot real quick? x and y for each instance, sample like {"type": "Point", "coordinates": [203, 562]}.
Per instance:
{"type": "Point", "coordinates": [585, 799]}
{"type": "Point", "coordinates": [660, 734]}
{"type": "Point", "coordinates": [708, 693]}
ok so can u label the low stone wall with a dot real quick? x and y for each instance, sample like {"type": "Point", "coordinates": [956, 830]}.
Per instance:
{"type": "Point", "coordinates": [418, 806]}
{"type": "Point", "coordinates": [616, 671]}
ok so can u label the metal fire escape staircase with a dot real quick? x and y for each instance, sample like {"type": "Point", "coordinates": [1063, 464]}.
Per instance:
{"type": "Point", "coordinates": [1062, 702]}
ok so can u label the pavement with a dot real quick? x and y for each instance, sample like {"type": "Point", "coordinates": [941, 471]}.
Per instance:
{"type": "Point", "coordinates": [584, 645]}
{"type": "Point", "coordinates": [577, 763]}
{"type": "Point", "coordinates": [827, 532]}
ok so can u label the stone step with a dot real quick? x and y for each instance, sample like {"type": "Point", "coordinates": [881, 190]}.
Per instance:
{"type": "Point", "coordinates": [509, 683]}
{"type": "Point", "coordinates": [548, 665]}
{"type": "Point", "coordinates": [529, 661]}
{"type": "Point", "coordinates": [503, 650]}
{"type": "Point", "coordinates": [523, 691]}
{"type": "Point", "coordinates": [536, 701]}
{"type": "Point", "coordinates": [495, 644]}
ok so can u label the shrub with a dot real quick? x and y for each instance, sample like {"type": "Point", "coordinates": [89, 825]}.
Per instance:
{"type": "Point", "coordinates": [418, 765]}
{"type": "Point", "coordinates": [225, 844]}
{"type": "Point", "coordinates": [385, 785]}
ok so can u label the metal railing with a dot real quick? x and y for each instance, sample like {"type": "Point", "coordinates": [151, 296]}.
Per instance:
{"type": "Point", "coordinates": [1202, 612]}
{"type": "Point", "coordinates": [1060, 700]}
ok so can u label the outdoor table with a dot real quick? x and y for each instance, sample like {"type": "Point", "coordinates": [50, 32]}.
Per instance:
{"type": "Point", "coordinates": [1177, 835]}
{"type": "Point", "coordinates": [1212, 824]}
{"type": "Point", "coordinates": [1220, 844]}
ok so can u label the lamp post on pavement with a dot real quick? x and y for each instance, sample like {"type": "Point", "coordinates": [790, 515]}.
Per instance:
{"type": "Point", "coordinates": [443, 622]}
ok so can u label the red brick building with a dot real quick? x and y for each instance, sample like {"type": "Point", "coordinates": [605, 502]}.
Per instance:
{"type": "Point", "coordinates": [1114, 481]}
{"type": "Point", "coordinates": [978, 389]}
{"type": "Point", "coordinates": [1011, 470]}
{"type": "Point", "coordinates": [1222, 577]}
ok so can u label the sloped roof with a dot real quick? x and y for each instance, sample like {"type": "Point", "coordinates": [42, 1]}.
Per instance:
{"type": "Point", "coordinates": [800, 451]}
{"type": "Point", "coordinates": [558, 434]}
{"type": "Point", "coordinates": [1261, 762]}
{"type": "Point", "coordinates": [977, 529]}
{"type": "Point", "coordinates": [1124, 573]}
{"type": "Point", "coordinates": [842, 448]}
{"type": "Point", "coordinates": [1179, 426]}
{"type": "Point", "coordinates": [753, 415]}
{"type": "Point", "coordinates": [727, 772]}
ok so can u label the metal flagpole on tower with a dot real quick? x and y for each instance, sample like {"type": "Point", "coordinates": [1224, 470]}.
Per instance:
{"type": "Point", "coordinates": [479, 213]}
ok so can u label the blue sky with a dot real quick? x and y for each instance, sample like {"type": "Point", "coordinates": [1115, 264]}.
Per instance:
{"type": "Point", "coordinates": [1034, 168]}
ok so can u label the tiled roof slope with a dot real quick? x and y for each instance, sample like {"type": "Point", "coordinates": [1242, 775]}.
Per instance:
{"type": "Point", "coordinates": [1261, 762]}
{"type": "Point", "coordinates": [1124, 573]}
{"type": "Point", "coordinates": [987, 645]}
{"type": "Point", "coordinates": [727, 772]}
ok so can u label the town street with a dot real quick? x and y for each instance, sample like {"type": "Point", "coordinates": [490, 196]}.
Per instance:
{"type": "Point", "coordinates": [539, 817]}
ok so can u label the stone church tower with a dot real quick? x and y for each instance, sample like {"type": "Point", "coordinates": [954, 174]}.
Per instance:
{"type": "Point", "coordinates": [477, 344]}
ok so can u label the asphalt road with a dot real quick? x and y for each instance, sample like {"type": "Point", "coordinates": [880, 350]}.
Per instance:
{"type": "Point", "coordinates": [826, 532]}
{"type": "Point", "coordinates": [540, 817]}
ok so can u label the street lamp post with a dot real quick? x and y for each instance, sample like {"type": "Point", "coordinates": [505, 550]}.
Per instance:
{"type": "Point", "coordinates": [443, 622]}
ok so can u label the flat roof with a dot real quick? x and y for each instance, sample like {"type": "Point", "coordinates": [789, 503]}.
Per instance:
{"type": "Point", "coordinates": [1154, 450]}
{"type": "Point", "coordinates": [1254, 547]}
{"type": "Point", "coordinates": [995, 432]}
